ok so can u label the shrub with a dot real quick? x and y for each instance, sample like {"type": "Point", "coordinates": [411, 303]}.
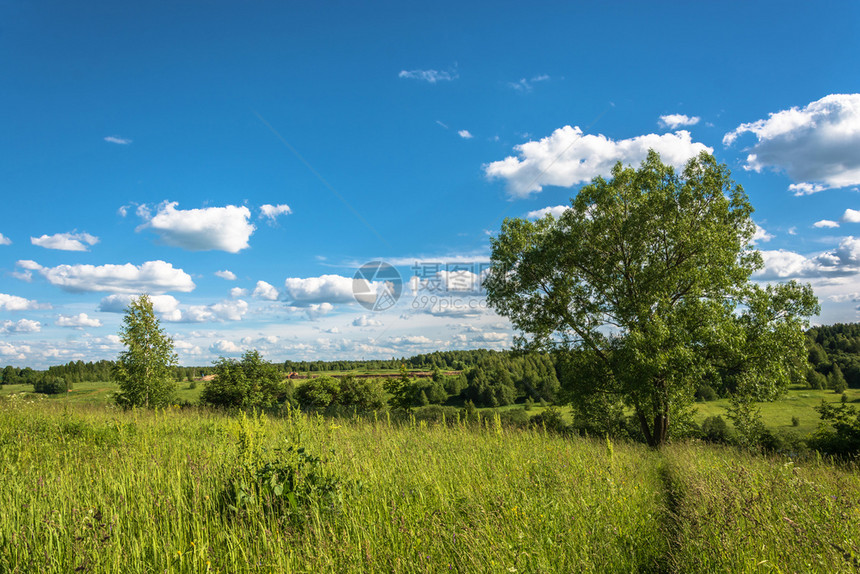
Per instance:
{"type": "Point", "coordinates": [715, 429]}
{"type": "Point", "coordinates": [251, 382]}
{"type": "Point", "coordinates": [706, 393]}
{"type": "Point", "coordinates": [552, 419]}
{"type": "Point", "coordinates": [361, 394]}
{"type": "Point", "coordinates": [318, 393]}
{"type": "Point", "coordinates": [795, 422]}
{"type": "Point", "coordinates": [51, 385]}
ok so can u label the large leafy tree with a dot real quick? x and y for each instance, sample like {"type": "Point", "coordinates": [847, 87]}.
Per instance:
{"type": "Point", "coordinates": [644, 287]}
{"type": "Point", "coordinates": [144, 369]}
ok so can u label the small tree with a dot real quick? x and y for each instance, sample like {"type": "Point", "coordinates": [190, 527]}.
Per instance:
{"type": "Point", "coordinates": [251, 382]}
{"type": "Point", "coordinates": [144, 370]}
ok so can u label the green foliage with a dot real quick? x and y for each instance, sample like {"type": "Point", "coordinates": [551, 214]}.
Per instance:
{"type": "Point", "coordinates": [143, 370]}
{"type": "Point", "coordinates": [706, 393]}
{"type": "Point", "coordinates": [551, 419]}
{"type": "Point", "coordinates": [815, 380]}
{"type": "Point", "coordinates": [318, 393]}
{"type": "Point", "coordinates": [290, 482]}
{"type": "Point", "coordinates": [839, 433]}
{"type": "Point", "coordinates": [715, 429]}
{"type": "Point", "coordinates": [51, 385]}
{"type": "Point", "coordinates": [362, 394]}
{"type": "Point", "coordinates": [251, 382]}
{"type": "Point", "coordinates": [663, 262]}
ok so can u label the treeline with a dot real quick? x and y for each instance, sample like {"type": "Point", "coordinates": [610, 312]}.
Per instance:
{"type": "Point", "coordinates": [834, 356]}
{"type": "Point", "coordinates": [80, 372]}
{"type": "Point", "coordinates": [443, 360]}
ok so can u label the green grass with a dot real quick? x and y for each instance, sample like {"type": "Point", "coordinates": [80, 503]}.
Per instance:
{"type": "Point", "coordinates": [95, 489]}
{"type": "Point", "coordinates": [777, 415]}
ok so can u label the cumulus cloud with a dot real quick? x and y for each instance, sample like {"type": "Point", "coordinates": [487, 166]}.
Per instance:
{"type": "Point", "coordinates": [5, 240]}
{"type": "Point", "coordinates": [150, 277]}
{"type": "Point", "coordinates": [760, 235]}
{"type": "Point", "coordinates": [818, 146]}
{"type": "Point", "coordinates": [826, 223]}
{"type": "Point", "coordinates": [839, 262]}
{"type": "Point", "coordinates": [265, 291]}
{"type": "Point", "coordinates": [465, 134]}
{"type": "Point", "coordinates": [674, 121]}
{"type": "Point", "coordinates": [322, 289]}
{"type": "Point", "coordinates": [271, 212]}
{"type": "Point", "coordinates": [851, 216]}
{"type": "Point", "coordinates": [78, 321]}
{"type": "Point", "coordinates": [118, 303]}
{"type": "Point", "coordinates": [66, 241]}
{"type": "Point", "coordinates": [556, 212]}
{"type": "Point", "coordinates": [365, 321]}
{"type": "Point", "coordinates": [209, 228]}
{"type": "Point", "coordinates": [226, 347]}
{"type": "Point", "coordinates": [430, 76]}
{"type": "Point", "coordinates": [238, 292]}
{"type": "Point", "coordinates": [20, 326]}
{"type": "Point", "coordinates": [217, 312]}
{"type": "Point", "coordinates": [316, 310]}
{"type": "Point", "coordinates": [15, 303]}
{"type": "Point", "coordinates": [228, 275]}
{"type": "Point", "coordinates": [568, 157]}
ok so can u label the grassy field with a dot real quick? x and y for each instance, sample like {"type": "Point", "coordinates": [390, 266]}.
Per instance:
{"type": "Point", "coordinates": [94, 489]}
{"type": "Point", "coordinates": [776, 415]}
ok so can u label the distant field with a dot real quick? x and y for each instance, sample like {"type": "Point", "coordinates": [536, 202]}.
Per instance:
{"type": "Point", "coordinates": [777, 415]}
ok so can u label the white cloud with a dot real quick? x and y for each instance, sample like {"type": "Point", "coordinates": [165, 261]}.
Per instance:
{"type": "Point", "coordinates": [818, 146]}
{"type": "Point", "coordinates": [150, 277]}
{"type": "Point", "coordinates": [209, 228]}
{"type": "Point", "coordinates": [225, 347]}
{"type": "Point", "coordinates": [228, 275]}
{"type": "Point", "coordinates": [118, 303]}
{"type": "Point", "coordinates": [851, 216]}
{"type": "Point", "coordinates": [20, 326]}
{"type": "Point", "coordinates": [265, 291]}
{"type": "Point", "coordinates": [365, 321]}
{"type": "Point", "coordinates": [567, 158]}
{"type": "Point", "coordinates": [66, 241]}
{"type": "Point", "coordinates": [556, 212]}
{"type": "Point", "coordinates": [826, 223]}
{"type": "Point", "coordinates": [325, 288]}
{"type": "Point", "coordinates": [673, 121]}
{"type": "Point", "coordinates": [5, 240]}
{"type": "Point", "coordinates": [19, 352]}
{"type": "Point", "coordinates": [271, 212]}
{"type": "Point", "coordinates": [78, 321]}
{"type": "Point", "coordinates": [238, 292]}
{"type": "Point", "coordinates": [430, 76]}
{"type": "Point", "coordinates": [117, 140]}
{"type": "Point", "coordinates": [760, 235]}
{"type": "Point", "coordinates": [465, 134]}
{"type": "Point", "coordinates": [15, 303]}
{"type": "Point", "coordinates": [217, 312]}
{"type": "Point", "coordinates": [839, 262]}
{"type": "Point", "coordinates": [317, 310]}
{"type": "Point", "coordinates": [524, 85]}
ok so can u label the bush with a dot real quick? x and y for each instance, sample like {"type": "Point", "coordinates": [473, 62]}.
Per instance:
{"type": "Point", "coordinates": [361, 394]}
{"type": "Point", "coordinates": [795, 422]}
{"type": "Point", "coordinates": [318, 393]}
{"type": "Point", "coordinates": [552, 419]}
{"type": "Point", "coordinates": [51, 385]}
{"type": "Point", "coordinates": [706, 393]}
{"type": "Point", "coordinates": [715, 429]}
{"type": "Point", "coordinates": [251, 382]}
{"type": "Point", "coordinates": [840, 432]}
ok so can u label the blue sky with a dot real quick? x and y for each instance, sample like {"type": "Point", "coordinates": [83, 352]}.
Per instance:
{"type": "Point", "coordinates": [240, 160]}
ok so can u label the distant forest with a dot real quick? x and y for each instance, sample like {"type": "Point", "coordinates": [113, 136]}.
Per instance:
{"type": "Point", "coordinates": [492, 378]}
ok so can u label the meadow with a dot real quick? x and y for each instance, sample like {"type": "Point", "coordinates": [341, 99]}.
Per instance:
{"type": "Point", "coordinates": [89, 488]}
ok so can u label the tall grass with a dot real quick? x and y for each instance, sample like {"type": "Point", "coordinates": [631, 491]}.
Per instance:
{"type": "Point", "coordinates": [105, 491]}
{"type": "Point", "coordinates": [739, 512]}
